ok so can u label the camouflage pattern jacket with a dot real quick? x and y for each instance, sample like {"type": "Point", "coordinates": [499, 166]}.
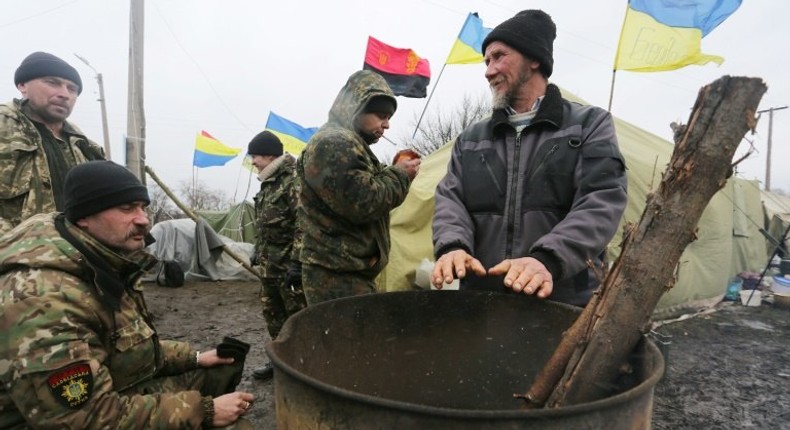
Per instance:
{"type": "Point", "coordinates": [275, 217]}
{"type": "Point", "coordinates": [25, 185]}
{"type": "Point", "coordinates": [65, 356]}
{"type": "Point", "coordinates": [346, 195]}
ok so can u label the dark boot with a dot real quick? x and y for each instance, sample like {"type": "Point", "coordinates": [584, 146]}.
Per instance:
{"type": "Point", "coordinates": [263, 373]}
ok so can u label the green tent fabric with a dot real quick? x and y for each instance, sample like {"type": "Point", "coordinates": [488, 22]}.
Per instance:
{"type": "Point", "coordinates": [777, 217]}
{"type": "Point", "coordinates": [237, 222]}
{"type": "Point", "coordinates": [729, 239]}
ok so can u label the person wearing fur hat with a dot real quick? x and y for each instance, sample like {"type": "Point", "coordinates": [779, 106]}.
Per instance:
{"type": "Point", "coordinates": [346, 194]}
{"type": "Point", "coordinates": [278, 237]}
{"type": "Point", "coordinates": [37, 145]}
{"type": "Point", "coordinates": [534, 192]}
{"type": "Point", "coordinates": [78, 345]}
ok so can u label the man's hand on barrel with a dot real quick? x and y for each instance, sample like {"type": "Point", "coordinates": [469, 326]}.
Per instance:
{"type": "Point", "coordinates": [525, 274]}
{"type": "Point", "coordinates": [455, 264]}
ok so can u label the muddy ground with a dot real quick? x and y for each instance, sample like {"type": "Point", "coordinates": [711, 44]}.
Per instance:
{"type": "Point", "coordinates": [727, 369]}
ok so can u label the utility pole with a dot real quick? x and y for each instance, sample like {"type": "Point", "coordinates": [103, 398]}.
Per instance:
{"type": "Point", "coordinates": [105, 130]}
{"type": "Point", "coordinates": [135, 116]}
{"type": "Point", "coordinates": [768, 153]}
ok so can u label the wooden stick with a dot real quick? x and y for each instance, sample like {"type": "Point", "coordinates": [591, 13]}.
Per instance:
{"type": "Point", "coordinates": [595, 350]}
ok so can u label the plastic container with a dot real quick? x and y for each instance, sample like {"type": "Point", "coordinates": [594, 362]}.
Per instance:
{"type": "Point", "coordinates": [780, 285]}
{"type": "Point", "coordinates": [733, 287]}
{"type": "Point", "coordinates": [784, 266]}
{"type": "Point", "coordinates": [751, 297]}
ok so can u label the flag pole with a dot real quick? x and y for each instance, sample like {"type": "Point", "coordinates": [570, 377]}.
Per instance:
{"type": "Point", "coordinates": [611, 91]}
{"type": "Point", "coordinates": [617, 56]}
{"type": "Point", "coordinates": [417, 127]}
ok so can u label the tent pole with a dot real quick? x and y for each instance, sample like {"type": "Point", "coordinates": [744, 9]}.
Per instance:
{"type": "Point", "coordinates": [779, 245]}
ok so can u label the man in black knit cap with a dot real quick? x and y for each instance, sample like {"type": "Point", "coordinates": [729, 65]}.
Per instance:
{"type": "Point", "coordinates": [37, 145]}
{"type": "Point", "coordinates": [278, 236]}
{"type": "Point", "coordinates": [79, 345]}
{"type": "Point", "coordinates": [535, 191]}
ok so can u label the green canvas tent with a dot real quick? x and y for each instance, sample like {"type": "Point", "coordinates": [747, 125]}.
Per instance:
{"type": "Point", "coordinates": [237, 222]}
{"type": "Point", "coordinates": [777, 217]}
{"type": "Point", "coordinates": [729, 239]}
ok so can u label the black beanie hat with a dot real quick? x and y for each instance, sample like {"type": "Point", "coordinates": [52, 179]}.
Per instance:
{"type": "Point", "coordinates": [532, 33]}
{"type": "Point", "coordinates": [265, 143]}
{"type": "Point", "coordinates": [94, 186]}
{"type": "Point", "coordinates": [381, 104]}
{"type": "Point", "coordinates": [40, 64]}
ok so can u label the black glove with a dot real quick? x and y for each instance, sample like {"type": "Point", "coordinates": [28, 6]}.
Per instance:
{"type": "Point", "coordinates": [225, 379]}
{"type": "Point", "coordinates": [293, 278]}
{"type": "Point", "coordinates": [231, 347]}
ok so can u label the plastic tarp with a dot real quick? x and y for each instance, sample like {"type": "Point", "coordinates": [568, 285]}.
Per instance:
{"type": "Point", "coordinates": [198, 249]}
{"type": "Point", "coordinates": [729, 240]}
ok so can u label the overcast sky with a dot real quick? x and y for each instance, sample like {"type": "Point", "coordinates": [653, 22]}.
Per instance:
{"type": "Point", "coordinates": [221, 66]}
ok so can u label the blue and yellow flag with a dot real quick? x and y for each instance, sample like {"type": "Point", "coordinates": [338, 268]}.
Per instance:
{"type": "Point", "coordinates": [468, 48]}
{"type": "Point", "coordinates": [666, 35]}
{"type": "Point", "coordinates": [211, 152]}
{"type": "Point", "coordinates": [293, 136]}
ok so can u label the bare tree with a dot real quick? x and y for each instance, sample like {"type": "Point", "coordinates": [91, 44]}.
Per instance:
{"type": "Point", "coordinates": [161, 208]}
{"type": "Point", "coordinates": [437, 129]}
{"type": "Point", "coordinates": [202, 198]}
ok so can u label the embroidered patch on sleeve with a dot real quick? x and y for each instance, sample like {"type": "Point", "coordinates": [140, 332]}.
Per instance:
{"type": "Point", "coordinates": [72, 385]}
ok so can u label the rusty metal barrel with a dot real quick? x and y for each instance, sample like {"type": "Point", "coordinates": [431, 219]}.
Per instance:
{"type": "Point", "coordinates": [438, 360]}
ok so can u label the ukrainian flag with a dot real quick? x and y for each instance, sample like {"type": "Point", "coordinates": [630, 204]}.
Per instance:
{"type": "Point", "coordinates": [468, 48]}
{"type": "Point", "coordinates": [666, 35]}
{"type": "Point", "coordinates": [211, 152]}
{"type": "Point", "coordinates": [293, 136]}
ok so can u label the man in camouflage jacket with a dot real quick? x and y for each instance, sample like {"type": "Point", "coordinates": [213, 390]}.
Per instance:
{"type": "Point", "coordinates": [37, 144]}
{"type": "Point", "coordinates": [278, 236]}
{"type": "Point", "coordinates": [346, 194]}
{"type": "Point", "coordinates": [77, 345]}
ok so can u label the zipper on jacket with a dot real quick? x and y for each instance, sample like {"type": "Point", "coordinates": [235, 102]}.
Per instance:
{"type": "Point", "coordinates": [542, 160]}
{"type": "Point", "coordinates": [491, 173]}
{"type": "Point", "coordinates": [512, 209]}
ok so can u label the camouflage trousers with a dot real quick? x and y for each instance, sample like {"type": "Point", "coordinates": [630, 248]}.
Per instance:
{"type": "Point", "coordinates": [213, 382]}
{"type": "Point", "coordinates": [279, 301]}
{"type": "Point", "coordinates": [321, 284]}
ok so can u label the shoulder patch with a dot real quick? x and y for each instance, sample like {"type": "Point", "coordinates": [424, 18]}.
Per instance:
{"type": "Point", "coordinates": [72, 385]}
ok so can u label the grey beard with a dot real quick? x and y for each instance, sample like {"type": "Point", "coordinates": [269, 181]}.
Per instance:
{"type": "Point", "coordinates": [500, 101]}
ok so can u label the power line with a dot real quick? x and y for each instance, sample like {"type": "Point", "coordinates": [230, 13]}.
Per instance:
{"type": "Point", "coordinates": [205, 76]}
{"type": "Point", "coordinates": [8, 24]}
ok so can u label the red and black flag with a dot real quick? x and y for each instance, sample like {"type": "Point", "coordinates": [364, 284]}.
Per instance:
{"type": "Point", "coordinates": [406, 73]}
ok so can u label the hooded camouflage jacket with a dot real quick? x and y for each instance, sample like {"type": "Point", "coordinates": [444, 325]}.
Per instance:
{"type": "Point", "coordinates": [65, 356]}
{"type": "Point", "coordinates": [346, 195]}
{"type": "Point", "coordinates": [275, 217]}
{"type": "Point", "coordinates": [25, 184]}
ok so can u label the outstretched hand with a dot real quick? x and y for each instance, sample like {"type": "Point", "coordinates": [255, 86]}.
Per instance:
{"type": "Point", "coordinates": [525, 274]}
{"type": "Point", "coordinates": [455, 264]}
